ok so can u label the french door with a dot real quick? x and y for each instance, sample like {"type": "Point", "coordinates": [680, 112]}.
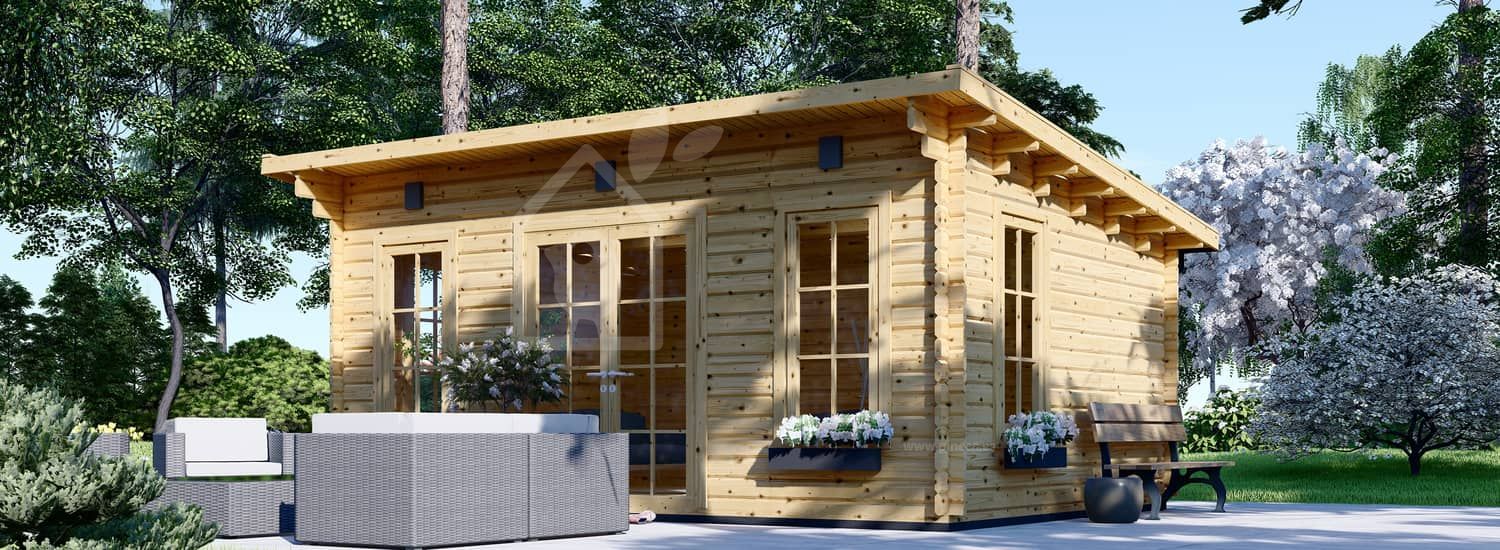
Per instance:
{"type": "Point", "coordinates": [615, 303]}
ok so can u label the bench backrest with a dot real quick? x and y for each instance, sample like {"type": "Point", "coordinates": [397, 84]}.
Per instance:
{"type": "Point", "coordinates": [1129, 423]}
{"type": "Point", "coordinates": [1124, 423]}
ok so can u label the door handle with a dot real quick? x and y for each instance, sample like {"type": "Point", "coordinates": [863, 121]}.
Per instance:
{"type": "Point", "coordinates": [609, 374]}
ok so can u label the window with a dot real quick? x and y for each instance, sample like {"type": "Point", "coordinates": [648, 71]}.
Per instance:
{"type": "Point", "coordinates": [1020, 383]}
{"type": "Point", "coordinates": [417, 331]}
{"type": "Point", "coordinates": [832, 308]}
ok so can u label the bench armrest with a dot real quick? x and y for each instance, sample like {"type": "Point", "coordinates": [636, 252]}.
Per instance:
{"type": "Point", "coordinates": [167, 454]}
{"type": "Point", "coordinates": [282, 447]}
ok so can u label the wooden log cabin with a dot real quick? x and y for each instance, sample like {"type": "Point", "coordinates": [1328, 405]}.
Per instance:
{"type": "Point", "coordinates": [922, 245]}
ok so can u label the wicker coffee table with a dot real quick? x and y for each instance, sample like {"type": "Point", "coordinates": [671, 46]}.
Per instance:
{"type": "Point", "coordinates": [240, 508]}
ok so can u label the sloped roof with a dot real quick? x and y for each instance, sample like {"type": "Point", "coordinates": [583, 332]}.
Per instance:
{"type": "Point", "coordinates": [955, 87]}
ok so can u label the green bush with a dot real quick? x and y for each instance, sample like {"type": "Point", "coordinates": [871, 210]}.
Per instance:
{"type": "Point", "coordinates": [1222, 425]}
{"type": "Point", "coordinates": [56, 494]}
{"type": "Point", "coordinates": [260, 377]}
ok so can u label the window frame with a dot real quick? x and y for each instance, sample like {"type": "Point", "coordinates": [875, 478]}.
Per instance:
{"type": "Point", "coordinates": [384, 384]}
{"type": "Point", "coordinates": [1039, 286]}
{"type": "Point", "coordinates": [788, 320]}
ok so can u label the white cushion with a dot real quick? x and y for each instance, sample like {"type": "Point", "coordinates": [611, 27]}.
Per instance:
{"type": "Point", "coordinates": [222, 469]}
{"type": "Point", "coordinates": [222, 439]}
{"type": "Point", "coordinates": [555, 423]}
{"type": "Point", "coordinates": [453, 423]}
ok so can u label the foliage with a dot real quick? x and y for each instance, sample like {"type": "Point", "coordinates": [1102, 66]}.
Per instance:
{"type": "Point", "coordinates": [859, 429]}
{"type": "Point", "coordinates": [99, 340]}
{"type": "Point", "coordinates": [1346, 97]}
{"type": "Point", "coordinates": [1280, 217]}
{"type": "Point", "coordinates": [53, 492]}
{"type": "Point", "coordinates": [552, 59]}
{"type": "Point", "coordinates": [1223, 424]}
{"type": "Point", "coordinates": [1189, 370]}
{"type": "Point", "coordinates": [510, 372]}
{"type": "Point", "coordinates": [1033, 434]}
{"type": "Point", "coordinates": [137, 124]}
{"type": "Point", "coordinates": [1264, 9]}
{"type": "Point", "coordinates": [1410, 363]}
{"type": "Point", "coordinates": [17, 324]}
{"type": "Point", "coordinates": [1452, 478]}
{"type": "Point", "coordinates": [1438, 111]}
{"type": "Point", "coordinates": [259, 377]}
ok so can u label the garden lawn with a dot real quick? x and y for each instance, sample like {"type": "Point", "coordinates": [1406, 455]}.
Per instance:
{"type": "Point", "coordinates": [1449, 478]}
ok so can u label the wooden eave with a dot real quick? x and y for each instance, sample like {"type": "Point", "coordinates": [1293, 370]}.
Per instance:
{"type": "Point", "coordinates": [974, 103]}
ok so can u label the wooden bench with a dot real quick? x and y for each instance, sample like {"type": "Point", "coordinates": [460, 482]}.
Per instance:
{"type": "Point", "coordinates": [1122, 423]}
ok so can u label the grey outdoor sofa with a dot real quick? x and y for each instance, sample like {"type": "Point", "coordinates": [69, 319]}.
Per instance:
{"type": "Point", "coordinates": [206, 461]}
{"type": "Point", "coordinates": [416, 480]}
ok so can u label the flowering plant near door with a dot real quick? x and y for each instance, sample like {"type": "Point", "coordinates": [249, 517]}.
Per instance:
{"type": "Point", "coordinates": [509, 372]}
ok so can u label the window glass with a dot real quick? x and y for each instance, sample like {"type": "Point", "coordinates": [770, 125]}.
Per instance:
{"type": "Point", "coordinates": [635, 269]}
{"type": "Point", "coordinates": [835, 324]}
{"type": "Point", "coordinates": [815, 385]}
{"type": "Point", "coordinates": [815, 253]}
{"type": "Point", "coordinates": [1020, 380]}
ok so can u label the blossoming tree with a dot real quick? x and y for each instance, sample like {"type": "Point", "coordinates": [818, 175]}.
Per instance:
{"type": "Point", "coordinates": [1409, 363]}
{"type": "Point", "coordinates": [1283, 220]}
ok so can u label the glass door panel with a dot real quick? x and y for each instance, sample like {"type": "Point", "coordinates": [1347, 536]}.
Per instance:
{"type": "Point", "coordinates": [653, 320]}
{"type": "Point", "coordinates": [614, 303]}
{"type": "Point", "coordinates": [568, 317]}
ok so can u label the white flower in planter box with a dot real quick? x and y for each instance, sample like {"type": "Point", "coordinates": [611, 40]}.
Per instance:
{"type": "Point", "coordinates": [1031, 435]}
{"type": "Point", "coordinates": [798, 431]}
{"type": "Point", "coordinates": [864, 428]}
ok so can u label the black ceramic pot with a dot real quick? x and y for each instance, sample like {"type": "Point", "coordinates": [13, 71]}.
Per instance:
{"type": "Point", "coordinates": [1113, 499]}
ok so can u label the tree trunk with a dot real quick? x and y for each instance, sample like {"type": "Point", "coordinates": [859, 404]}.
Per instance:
{"type": "Point", "coordinates": [1414, 461]}
{"type": "Point", "coordinates": [221, 282]}
{"type": "Point", "coordinates": [455, 80]}
{"type": "Point", "coordinates": [966, 31]}
{"type": "Point", "coordinates": [174, 377]}
{"type": "Point", "coordinates": [1472, 246]}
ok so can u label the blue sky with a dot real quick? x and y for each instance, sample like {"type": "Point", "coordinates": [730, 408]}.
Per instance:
{"type": "Point", "coordinates": [1172, 77]}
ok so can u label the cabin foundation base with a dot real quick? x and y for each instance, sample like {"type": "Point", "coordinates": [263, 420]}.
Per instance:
{"type": "Point", "coordinates": [871, 524]}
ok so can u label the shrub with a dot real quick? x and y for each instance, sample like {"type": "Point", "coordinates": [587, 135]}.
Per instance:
{"type": "Point", "coordinates": [1223, 424]}
{"type": "Point", "coordinates": [260, 377]}
{"type": "Point", "coordinates": [54, 493]}
{"type": "Point", "coordinates": [1409, 363]}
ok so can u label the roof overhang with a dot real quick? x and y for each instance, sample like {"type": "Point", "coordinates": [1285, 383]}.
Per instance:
{"type": "Point", "coordinates": [959, 88]}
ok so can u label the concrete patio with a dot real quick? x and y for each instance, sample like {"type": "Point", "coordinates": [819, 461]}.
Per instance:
{"type": "Point", "coordinates": [1188, 525]}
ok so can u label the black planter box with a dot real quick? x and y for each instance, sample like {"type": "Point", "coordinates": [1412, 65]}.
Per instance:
{"type": "Point", "coordinates": [825, 459]}
{"type": "Point", "coordinates": [1056, 457]}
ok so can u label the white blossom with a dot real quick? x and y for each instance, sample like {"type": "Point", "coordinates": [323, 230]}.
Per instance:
{"type": "Point", "coordinates": [1410, 363]}
{"type": "Point", "coordinates": [1279, 216]}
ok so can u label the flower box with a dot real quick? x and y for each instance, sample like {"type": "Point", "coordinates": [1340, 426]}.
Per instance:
{"type": "Point", "coordinates": [823, 459]}
{"type": "Point", "coordinates": [1056, 457]}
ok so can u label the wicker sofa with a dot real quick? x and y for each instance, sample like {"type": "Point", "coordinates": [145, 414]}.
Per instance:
{"type": "Point", "coordinates": [416, 480]}
{"type": "Point", "coordinates": [205, 461]}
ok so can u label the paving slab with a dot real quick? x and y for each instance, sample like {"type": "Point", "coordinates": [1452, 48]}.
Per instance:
{"type": "Point", "coordinates": [1186, 525]}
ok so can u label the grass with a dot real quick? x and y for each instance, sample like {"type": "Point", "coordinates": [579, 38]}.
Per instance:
{"type": "Point", "coordinates": [1449, 478]}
